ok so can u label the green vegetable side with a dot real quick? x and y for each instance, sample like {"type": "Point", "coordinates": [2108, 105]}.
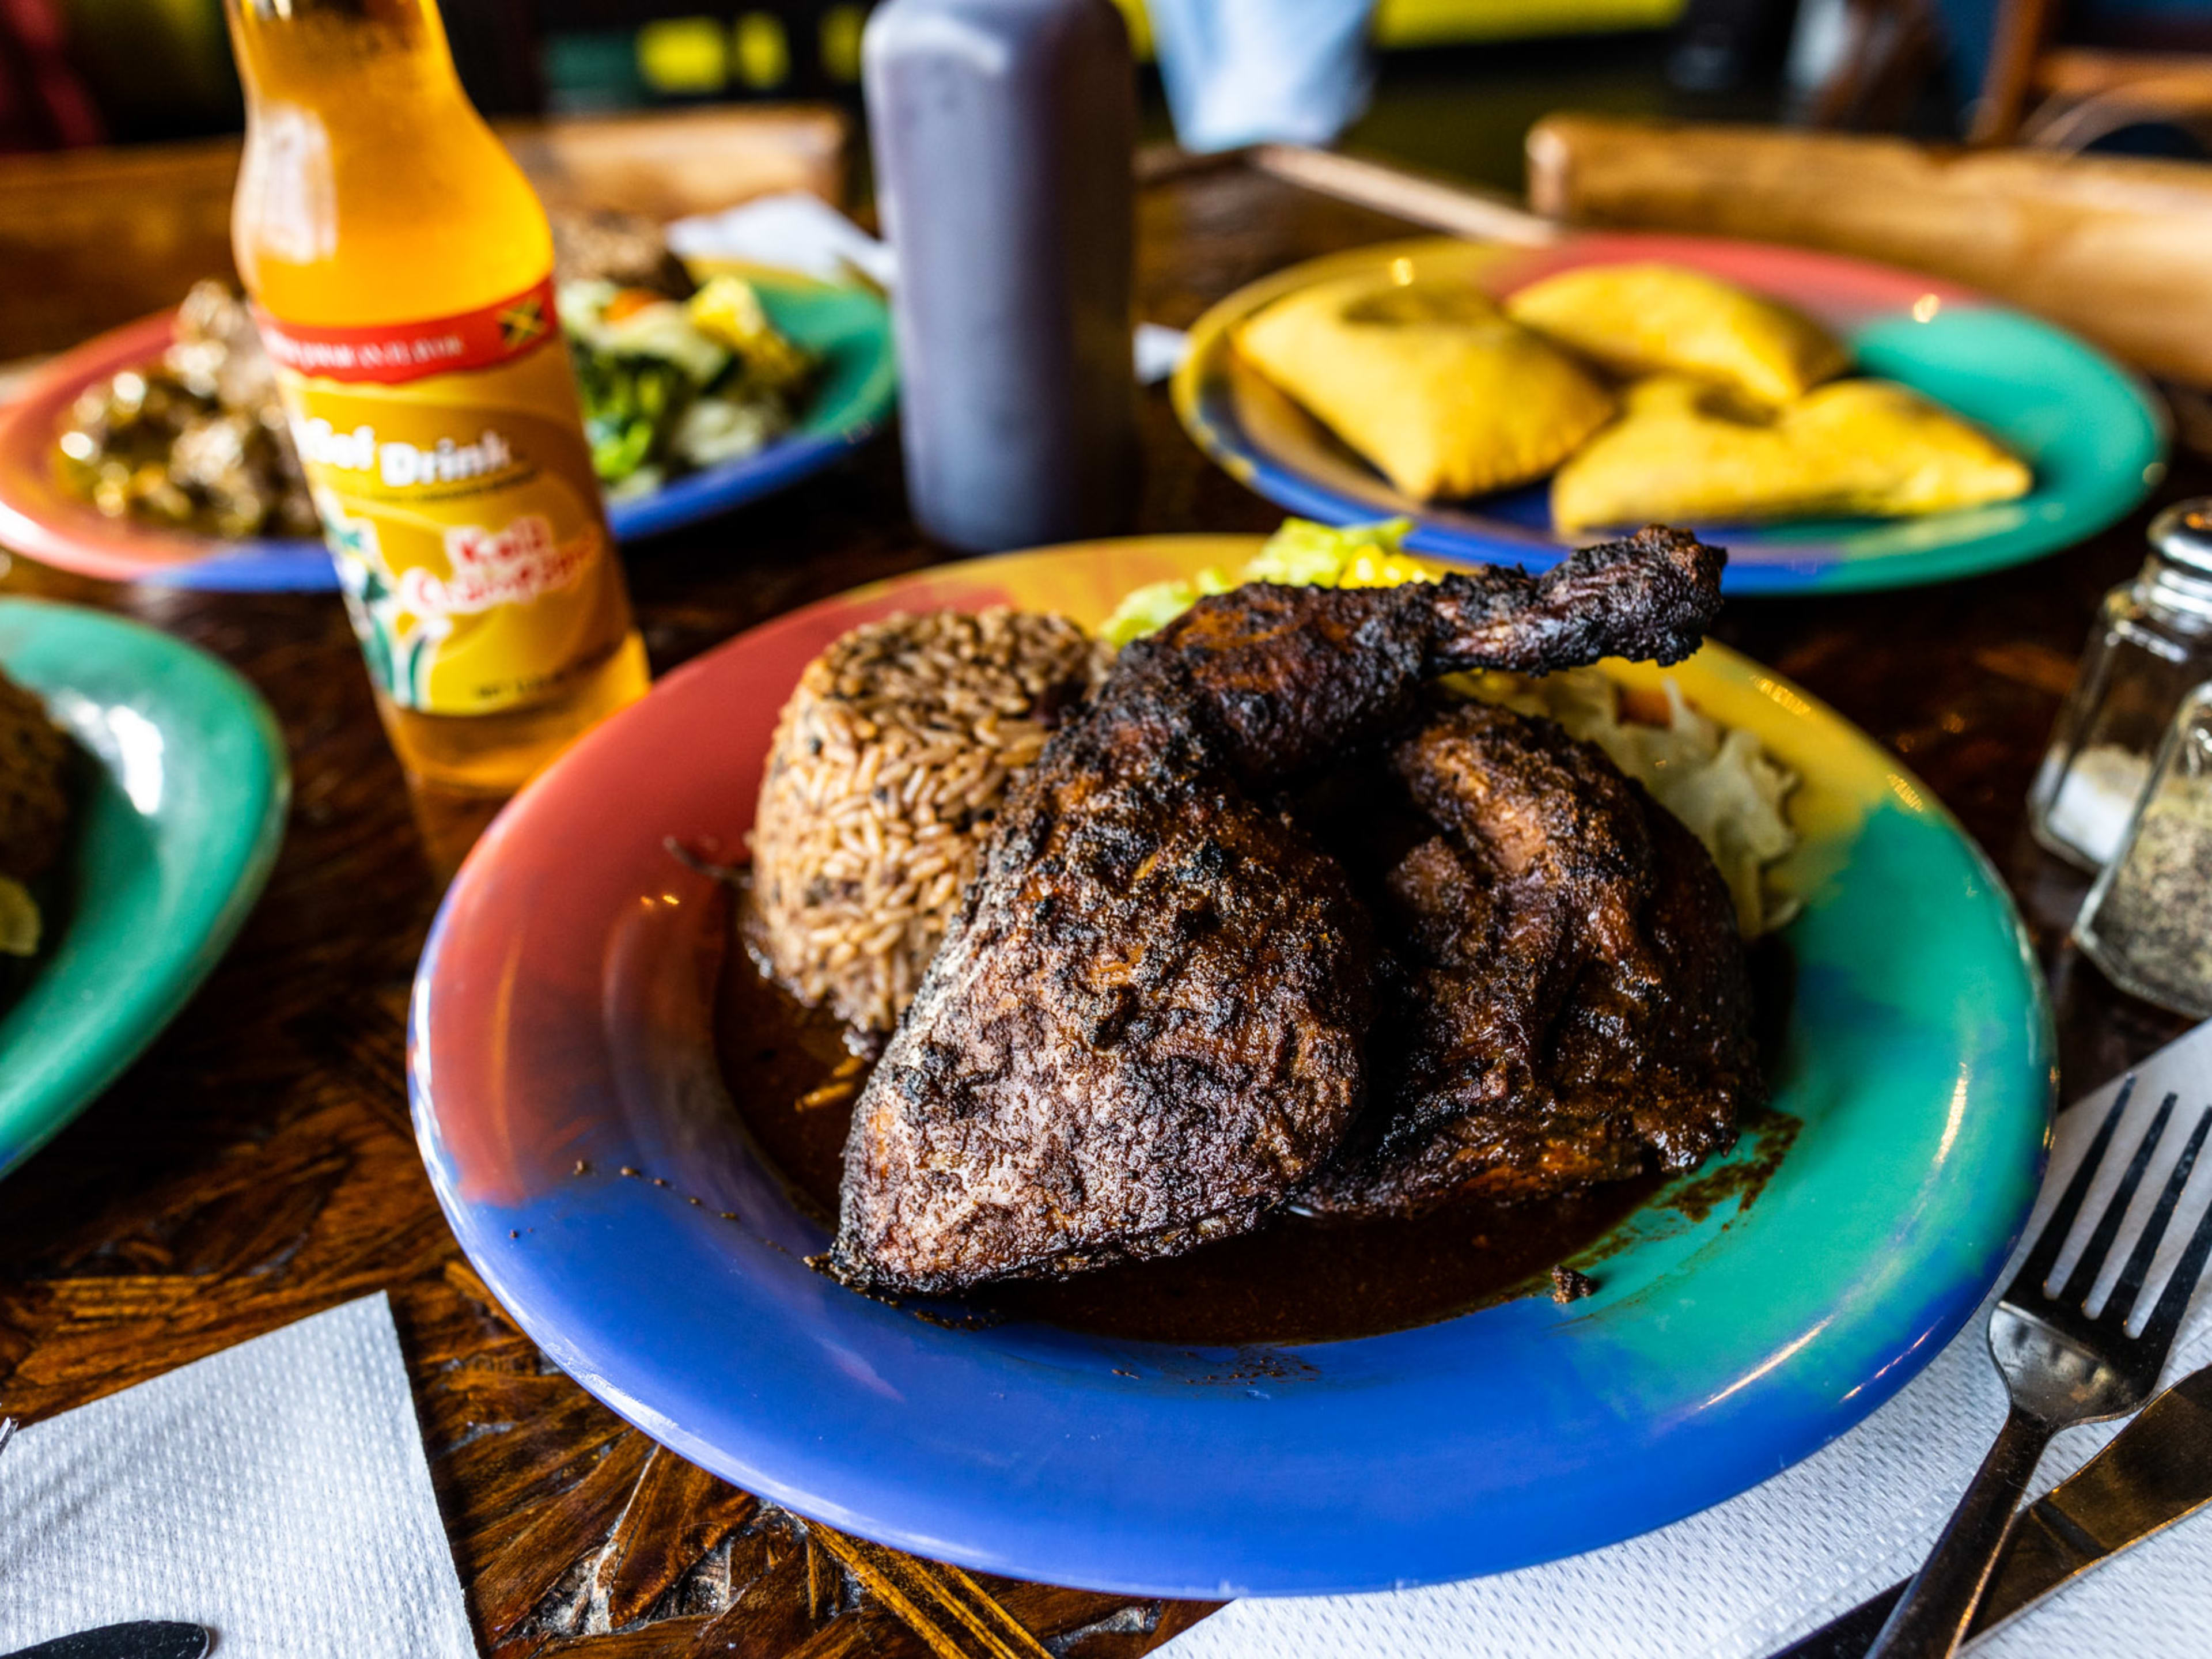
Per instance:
{"type": "Point", "coordinates": [670, 386]}
{"type": "Point", "coordinates": [1302, 554]}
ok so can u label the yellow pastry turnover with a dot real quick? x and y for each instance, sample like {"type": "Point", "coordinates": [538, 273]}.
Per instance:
{"type": "Point", "coordinates": [1637, 319]}
{"type": "Point", "coordinates": [1429, 380]}
{"type": "Point", "coordinates": [1684, 452]}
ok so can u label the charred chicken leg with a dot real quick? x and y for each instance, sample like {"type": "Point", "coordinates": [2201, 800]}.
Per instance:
{"type": "Point", "coordinates": [1146, 1026]}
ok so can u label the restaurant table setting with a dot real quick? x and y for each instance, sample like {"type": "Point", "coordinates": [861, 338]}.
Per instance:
{"type": "Point", "coordinates": [1452, 1074]}
{"type": "Point", "coordinates": [203, 1494]}
{"type": "Point", "coordinates": [1757, 1574]}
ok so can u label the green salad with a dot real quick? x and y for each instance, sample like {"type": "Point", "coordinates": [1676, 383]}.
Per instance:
{"type": "Point", "coordinates": [669, 386]}
{"type": "Point", "coordinates": [1302, 554]}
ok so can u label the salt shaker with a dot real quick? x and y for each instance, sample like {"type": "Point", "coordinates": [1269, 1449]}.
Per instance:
{"type": "Point", "coordinates": [2152, 643]}
{"type": "Point", "coordinates": [2147, 923]}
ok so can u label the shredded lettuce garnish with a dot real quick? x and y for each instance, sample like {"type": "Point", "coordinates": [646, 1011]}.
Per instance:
{"type": "Point", "coordinates": [1302, 554]}
{"type": "Point", "coordinates": [669, 386]}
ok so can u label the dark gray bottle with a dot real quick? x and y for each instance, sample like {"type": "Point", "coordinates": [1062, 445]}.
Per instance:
{"type": "Point", "coordinates": [1002, 133]}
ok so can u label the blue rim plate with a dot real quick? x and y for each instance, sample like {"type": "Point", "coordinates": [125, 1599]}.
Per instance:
{"type": "Point", "coordinates": [177, 829]}
{"type": "Point", "coordinates": [2095, 434]}
{"type": "Point", "coordinates": [849, 326]}
{"type": "Point", "coordinates": [561, 1017]}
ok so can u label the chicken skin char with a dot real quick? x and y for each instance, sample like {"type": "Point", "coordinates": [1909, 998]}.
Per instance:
{"type": "Point", "coordinates": [1148, 1024]}
{"type": "Point", "coordinates": [1573, 1004]}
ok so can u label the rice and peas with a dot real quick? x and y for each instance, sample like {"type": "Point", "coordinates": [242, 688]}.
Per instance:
{"type": "Point", "coordinates": [892, 758]}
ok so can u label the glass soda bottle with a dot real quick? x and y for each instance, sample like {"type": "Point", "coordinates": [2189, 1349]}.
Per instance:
{"type": "Point", "coordinates": [401, 271]}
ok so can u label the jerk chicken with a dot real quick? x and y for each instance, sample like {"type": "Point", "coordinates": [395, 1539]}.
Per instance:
{"type": "Point", "coordinates": [1148, 1023]}
{"type": "Point", "coordinates": [1572, 1001]}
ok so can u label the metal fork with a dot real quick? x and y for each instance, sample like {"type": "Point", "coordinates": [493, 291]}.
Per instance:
{"type": "Point", "coordinates": [2061, 1367]}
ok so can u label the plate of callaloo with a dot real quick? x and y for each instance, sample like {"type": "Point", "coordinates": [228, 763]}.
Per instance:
{"type": "Point", "coordinates": [157, 452]}
{"type": "Point", "coordinates": [1356, 1086]}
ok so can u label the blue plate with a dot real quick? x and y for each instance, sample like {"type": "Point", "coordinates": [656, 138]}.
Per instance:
{"type": "Point", "coordinates": [848, 328]}
{"type": "Point", "coordinates": [561, 1039]}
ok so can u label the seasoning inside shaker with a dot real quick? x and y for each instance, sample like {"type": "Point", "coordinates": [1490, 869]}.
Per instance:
{"type": "Point", "coordinates": [2151, 644]}
{"type": "Point", "coordinates": [2147, 923]}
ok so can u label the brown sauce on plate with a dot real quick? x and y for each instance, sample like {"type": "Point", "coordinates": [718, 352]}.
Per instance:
{"type": "Point", "coordinates": [1297, 1278]}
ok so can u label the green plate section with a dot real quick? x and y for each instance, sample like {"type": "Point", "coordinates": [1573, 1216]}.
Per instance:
{"type": "Point", "coordinates": [2094, 434]}
{"type": "Point", "coordinates": [181, 813]}
{"type": "Point", "coordinates": [850, 328]}
{"type": "Point", "coordinates": [1912, 1095]}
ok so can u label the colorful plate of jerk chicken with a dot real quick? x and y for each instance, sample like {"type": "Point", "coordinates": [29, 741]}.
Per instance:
{"type": "Point", "coordinates": [1837, 424]}
{"type": "Point", "coordinates": [1198, 1068]}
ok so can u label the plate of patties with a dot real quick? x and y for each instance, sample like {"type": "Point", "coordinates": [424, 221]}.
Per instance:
{"type": "Point", "coordinates": [1199, 1067]}
{"type": "Point", "coordinates": [159, 452]}
{"type": "Point", "coordinates": [1839, 424]}
{"type": "Point", "coordinates": [142, 791]}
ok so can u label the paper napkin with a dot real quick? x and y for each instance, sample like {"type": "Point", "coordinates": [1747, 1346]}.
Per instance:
{"type": "Point", "coordinates": [1751, 1575]}
{"type": "Point", "coordinates": [275, 1493]}
{"type": "Point", "coordinates": [788, 230]}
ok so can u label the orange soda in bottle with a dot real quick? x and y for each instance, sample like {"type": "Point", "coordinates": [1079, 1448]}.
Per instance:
{"type": "Point", "coordinates": [401, 270]}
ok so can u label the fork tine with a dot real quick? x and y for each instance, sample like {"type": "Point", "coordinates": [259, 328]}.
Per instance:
{"type": "Point", "coordinates": [2129, 1284]}
{"type": "Point", "coordinates": [2166, 1318]}
{"type": "Point", "coordinates": [2027, 1283]}
{"type": "Point", "coordinates": [2083, 1279]}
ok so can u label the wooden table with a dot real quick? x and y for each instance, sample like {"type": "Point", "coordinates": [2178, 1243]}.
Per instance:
{"type": "Point", "coordinates": [258, 1165]}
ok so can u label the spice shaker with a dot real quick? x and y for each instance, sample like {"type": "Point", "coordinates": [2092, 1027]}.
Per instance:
{"type": "Point", "coordinates": [1003, 132]}
{"type": "Point", "coordinates": [2152, 643]}
{"type": "Point", "coordinates": [2147, 923]}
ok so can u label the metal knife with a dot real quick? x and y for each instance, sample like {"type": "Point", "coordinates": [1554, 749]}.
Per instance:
{"type": "Point", "coordinates": [144, 1639]}
{"type": "Point", "coordinates": [2157, 1471]}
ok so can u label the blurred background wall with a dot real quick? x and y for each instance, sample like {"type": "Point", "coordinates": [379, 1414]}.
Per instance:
{"type": "Point", "coordinates": [1457, 82]}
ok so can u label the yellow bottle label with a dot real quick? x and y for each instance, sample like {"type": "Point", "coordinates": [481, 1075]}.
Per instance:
{"type": "Point", "coordinates": [448, 463]}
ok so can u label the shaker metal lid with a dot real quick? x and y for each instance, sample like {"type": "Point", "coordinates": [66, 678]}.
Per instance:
{"type": "Point", "coordinates": [2182, 533]}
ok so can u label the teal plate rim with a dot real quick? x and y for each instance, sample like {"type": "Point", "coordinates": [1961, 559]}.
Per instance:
{"type": "Point", "coordinates": [176, 834]}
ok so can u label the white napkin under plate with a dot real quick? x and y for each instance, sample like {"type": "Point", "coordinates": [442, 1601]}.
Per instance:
{"type": "Point", "coordinates": [793, 231]}
{"type": "Point", "coordinates": [275, 1493]}
{"type": "Point", "coordinates": [1753, 1574]}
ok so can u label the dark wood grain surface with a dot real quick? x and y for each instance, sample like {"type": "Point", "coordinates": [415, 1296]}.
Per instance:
{"type": "Point", "coordinates": [258, 1165]}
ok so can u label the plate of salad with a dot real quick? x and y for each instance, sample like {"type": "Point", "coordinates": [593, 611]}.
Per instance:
{"type": "Point", "coordinates": [157, 452]}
